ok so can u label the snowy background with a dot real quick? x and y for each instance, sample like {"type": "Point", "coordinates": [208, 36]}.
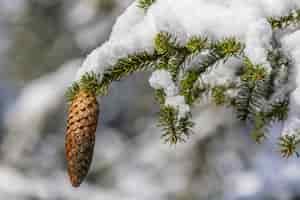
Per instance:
{"type": "Point", "coordinates": [42, 45]}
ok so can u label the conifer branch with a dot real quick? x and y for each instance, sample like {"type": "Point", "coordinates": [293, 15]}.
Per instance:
{"type": "Point", "coordinates": [145, 4]}
{"type": "Point", "coordinates": [220, 96]}
{"type": "Point", "coordinates": [189, 87]}
{"type": "Point", "coordinates": [252, 97]}
{"type": "Point", "coordinates": [288, 145]}
{"type": "Point", "coordinates": [196, 44]}
{"type": "Point", "coordinates": [124, 67]}
{"type": "Point", "coordinates": [254, 89]}
{"type": "Point", "coordinates": [175, 129]}
{"type": "Point", "coordinates": [282, 22]}
{"type": "Point", "coordinates": [218, 51]}
{"type": "Point", "coordinates": [72, 91]}
{"type": "Point", "coordinates": [90, 82]}
{"type": "Point", "coordinates": [166, 44]}
{"type": "Point", "coordinates": [255, 95]}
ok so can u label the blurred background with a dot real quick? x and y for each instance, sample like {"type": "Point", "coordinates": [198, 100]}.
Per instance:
{"type": "Point", "coordinates": [42, 44]}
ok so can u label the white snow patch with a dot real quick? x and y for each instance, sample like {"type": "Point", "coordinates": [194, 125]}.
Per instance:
{"type": "Point", "coordinates": [291, 44]}
{"type": "Point", "coordinates": [221, 74]}
{"type": "Point", "coordinates": [258, 40]}
{"type": "Point", "coordinates": [162, 79]}
{"type": "Point", "coordinates": [178, 102]}
{"type": "Point", "coordinates": [292, 124]}
{"type": "Point", "coordinates": [131, 17]}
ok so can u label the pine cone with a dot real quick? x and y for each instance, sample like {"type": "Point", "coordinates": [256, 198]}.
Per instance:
{"type": "Point", "coordinates": [80, 136]}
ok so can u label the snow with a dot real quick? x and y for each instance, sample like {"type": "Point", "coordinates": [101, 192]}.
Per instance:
{"type": "Point", "coordinates": [124, 23]}
{"type": "Point", "coordinates": [89, 24]}
{"type": "Point", "coordinates": [162, 79]}
{"type": "Point", "coordinates": [178, 102]}
{"type": "Point", "coordinates": [291, 44]}
{"type": "Point", "coordinates": [292, 124]}
{"type": "Point", "coordinates": [258, 40]}
{"type": "Point", "coordinates": [221, 74]}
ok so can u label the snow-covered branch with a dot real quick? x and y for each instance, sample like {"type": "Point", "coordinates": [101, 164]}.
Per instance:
{"type": "Point", "coordinates": [188, 46]}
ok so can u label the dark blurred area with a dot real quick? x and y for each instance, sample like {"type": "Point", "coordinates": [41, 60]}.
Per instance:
{"type": "Point", "coordinates": [42, 44]}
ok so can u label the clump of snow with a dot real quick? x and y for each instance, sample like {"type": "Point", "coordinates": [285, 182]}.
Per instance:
{"type": "Point", "coordinates": [292, 124]}
{"type": "Point", "coordinates": [291, 44]}
{"type": "Point", "coordinates": [258, 40]}
{"type": "Point", "coordinates": [222, 74]}
{"type": "Point", "coordinates": [162, 79]}
{"type": "Point", "coordinates": [178, 102]}
{"type": "Point", "coordinates": [89, 25]}
{"type": "Point", "coordinates": [132, 16]}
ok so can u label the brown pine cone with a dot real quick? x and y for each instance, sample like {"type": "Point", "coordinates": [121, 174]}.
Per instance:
{"type": "Point", "coordinates": [80, 136]}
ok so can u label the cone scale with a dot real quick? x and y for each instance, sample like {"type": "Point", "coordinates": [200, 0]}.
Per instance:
{"type": "Point", "coordinates": [80, 135]}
